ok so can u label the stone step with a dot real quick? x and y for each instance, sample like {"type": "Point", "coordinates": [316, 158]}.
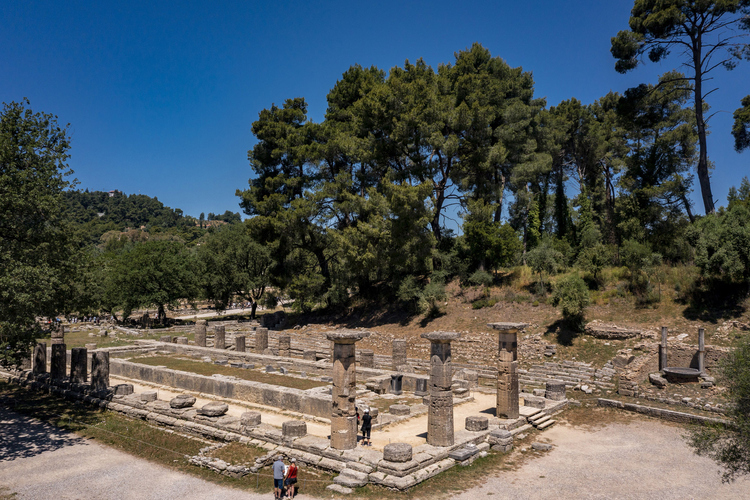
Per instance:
{"type": "Point", "coordinates": [546, 424]}
{"type": "Point", "coordinates": [541, 421]}
{"type": "Point", "coordinates": [535, 418]}
{"type": "Point", "coordinates": [340, 489]}
{"type": "Point", "coordinates": [528, 411]}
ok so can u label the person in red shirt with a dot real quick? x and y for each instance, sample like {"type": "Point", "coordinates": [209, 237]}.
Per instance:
{"type": "Point", "coordinates": [291, 479]}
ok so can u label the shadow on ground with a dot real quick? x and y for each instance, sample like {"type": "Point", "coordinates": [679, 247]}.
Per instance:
{"type": "Point", "coordinates": [24, 437]}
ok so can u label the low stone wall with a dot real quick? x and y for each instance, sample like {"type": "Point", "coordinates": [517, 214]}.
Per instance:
{"type": "Point", "coordinates": [243, 390]}
{"type": "Point", "coordinates": [671, 415]}
{"type": "Point", "coordinates": [571, 372]}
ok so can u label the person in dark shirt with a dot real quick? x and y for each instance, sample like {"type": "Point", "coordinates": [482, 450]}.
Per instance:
{"type": "Point", "coordinates": [366, 428]}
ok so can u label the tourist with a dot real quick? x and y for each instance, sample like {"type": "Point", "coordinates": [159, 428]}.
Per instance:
{"type": "Point", "coordinates": [366, 428]}
{"type": "Point", "coordinates": [291, 479]}
{"type": "Point", "coordinates": [278, 477]}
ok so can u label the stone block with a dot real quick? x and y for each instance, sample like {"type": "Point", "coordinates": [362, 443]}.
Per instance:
{"type": "Point", "coordinates": [100, 371]}
{"type": "Point", "coordinates": [166, 338]}
{"type": "Point", "coordinates": [40, 359]}
{"type": "Point", "coordinates": [182, 401]}
{"type": "Point", "coordinates": [292, 429]}
{"type": "Point", "coordinates": [200, 333]}
{"type": "Point", "coordinates": [148, 396]}
{"type": "Point", "coordinates": [657, 380]}
{"type": "Point", "coordinates": [463, 453]}
{"type": "Point", "coordinates": [78, 365]}
{"type": "Point", "coordinates": [285, 346]}
{"type": "Point", "coordinates": [397, 452]}
{"type": "Point", "coordinates": [181, 340]}
{"type": "Point", "coordinates": [534, 402]}
{"type": "Point", "coordinates": [367, 358]}
{"type": "Point", "coordinates": [57, 362]}
{"type": "Point", "coordinates": [123, 389]}
{"type": "Point", "coordinates": [541, 446]}
{"type": "Point", "coordinates": [399, 410]}
{"type": "Point", "coordinates": [250, 419]}
{"type": "Point", "coordinates": [239, 343]}
{"type": "Point", "coordinates": [90, 347]}
{"type": "Point", "coordinates": [261, 340]}
{"type": "Point", "coordinates": [214, 409]}
{"type": "Point", "coordinates": [309, 355]}
{"type": "Point", "coordinates": [476, 423]}
{"type": "Point", "coordinates": [555, 390]}
{"type": "Point", "coordinates": [219, 337]}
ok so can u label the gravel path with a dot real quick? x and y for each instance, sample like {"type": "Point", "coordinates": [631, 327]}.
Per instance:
{"type": "Point", "coordinates": [645, 459]}
{"type": "Point", "coordinates": [39, 461]}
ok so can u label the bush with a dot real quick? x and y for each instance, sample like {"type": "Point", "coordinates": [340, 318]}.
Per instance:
{"type": "Point", "coordinates": [544, 259]}
{"type": "Point", "coordinates": [572, 295]}
{"type": "Point", "coordinates": [482, 303]}
{"type": "Point", "coordinates": [481, 278]}
{"type": "Point", "coordinates": [432, 296]}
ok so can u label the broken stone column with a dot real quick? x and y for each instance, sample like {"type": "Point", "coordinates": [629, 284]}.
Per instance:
{"type": "Point", "coordinates": [239, 343]}
{"type": "Point", "coordinates": [57, 334]}
{"type": "Point", "coordinates": [508, 336]}
{"type": "Point", "coordinates": [555, 390]}
{"type": "Point", "coordinates": [57, 362]}
{"type": "Point", "coordinates": [663, 349]}
{"type": "Point", "coordinates": [399, 354]}
{"type": "Point", "coordinates": [200, 333]}
{"type": "Point", "coordinates": [40, 359]}
{"type": "Point", "coordinates": [100, 371]}
{"type": "Point", "coordinates": [220, 337]}
{"type": "Point", "coordinates": [507, 386]}
{"type": "Point", "coordinates": [344, 391]}
{"type": "Point", "coordinates": [366, 358]}
{"type": "Point", "coordinates": [701, 350]}
{"type": "Point", "coordinates": [78, 368]}
{"type": "Point", "coordinates": [285, 346]}
{"type": "Point", "coordinates": [261, 340]}
{"type": "Point", "coordinates": [440, 411]}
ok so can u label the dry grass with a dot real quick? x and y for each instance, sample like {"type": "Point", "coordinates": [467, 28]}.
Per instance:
{"type": "Point", "coordinates": [209, 369]}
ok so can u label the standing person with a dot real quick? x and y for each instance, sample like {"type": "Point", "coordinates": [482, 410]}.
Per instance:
{"type": "Point", "coordinates": [278, 477]}
{"type": "Point", "coordinates": [291, 479]}
{"type": "Point", "coordinates": [366, 427]}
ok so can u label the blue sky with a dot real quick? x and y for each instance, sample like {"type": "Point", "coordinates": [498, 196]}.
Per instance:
{"type": "Point", "coordinates": [161, 95]}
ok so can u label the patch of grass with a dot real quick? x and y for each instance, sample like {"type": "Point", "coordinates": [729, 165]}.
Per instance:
{"type": "Point", "coordinates": [209, 369]}
{"type": "Point", "coordinates": [482, 303]}
{"type": "Point", "coordinates": [6, 494]}
{"type": "Point", "coordinates": [588, 349]}
{"type": "Point", "coordinates": [238, 454]}
{"type": "Point", "coordinates": [116, 338]}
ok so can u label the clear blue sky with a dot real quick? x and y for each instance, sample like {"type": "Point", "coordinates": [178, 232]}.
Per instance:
{"type": "Point", "coordinates": [161, 95]}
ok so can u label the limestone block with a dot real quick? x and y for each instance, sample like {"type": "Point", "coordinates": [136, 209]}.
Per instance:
{"type": "Point", "coordinates": [397, 452]}
{"type": "Point", "coordinates": [123, 389]}
{"type": "Point", "coordinates": [148, 396]}
{"type": "Point", "coordinates": [57, 362]}
{"type": "Point", "coordinates": [100, 371]}
{"type": "Point", "coordinates": [500, 437]}
{"type": "Point", "coordinates": [214, 409]}
{"type": "Point", "coordinates": [57, 334]}
{"type": "Point", "coordinates": [534, 402]}
{"type": "Point", "coordinates": [78, 365]}
{"type": "Point", "coordinates": [476, 423]}
{"type": "Point", "coordinates": [464, 453]}
{"type": "Point", "coordinates": [555, 390]}
{"type": "Point", "coordinates": [90, 347]}
{"type": "Point", "coordinates": [166, 338]}
{"type": "Point", "coordinates": [239, 343]}
{"type": "Point", "coordinates": [40, 358]}
{"type": "Point", "coordinates": [200, 333]}
{"type": "Point", "coordinates": [309, 355]}
{"type": "Point", "coordinates": [261, 340]}
{"type": "Point", "coordinates": [182, 401]}
{"type": "Point", "coordinates": [399, 353]}
{"type": "Point", "coordinates": [541, 446]}
{"type": "Point", "coordinates": [181, 340]}
{"type": "Point", "coordinates": [219, 337]}
{"type": "Point", "coordinates": [399, 410]}
{"type": "Point", "coordinates": [285, 346]}
{"type": "Point", "coordinates": [292, 429]}
{"type": "Point", "coordinates": [250, 419]}
{"type": "Point", "coordinates": [657, 380]}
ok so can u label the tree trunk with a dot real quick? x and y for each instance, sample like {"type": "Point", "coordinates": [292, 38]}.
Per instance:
{"type": "Point", "coordinates": [703, 177]}
{"type": "Point", "coordinates": [253, 307]}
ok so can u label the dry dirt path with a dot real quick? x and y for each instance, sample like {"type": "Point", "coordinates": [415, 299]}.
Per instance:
{"type": "Point", "coordinates": [645, 459]}
{"type": "Point", "coordinates": [39, 461]}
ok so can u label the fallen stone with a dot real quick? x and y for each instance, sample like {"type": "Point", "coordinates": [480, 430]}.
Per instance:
{"type": "Point", "coordinates": [214, 409]}
{"type": "Point", "coordinates": [250, 419]}
{"type": "Point", "coordinates": [657, 380]}
{"type": "Point", "coordinates": [461, 454]}
{"type": "Point", "coordinates": [541, 446]}
{"type": "Point", "coordinates": [340, 489]}
{"type": "Point", "coordinates": [270, 369]}
{"type": "Point", "coordinates": [182, 401]}
{"type": "Point", "coordinates": [399, 410]}
{"type": "Point", "coordinates": [292, 429]}
{"type": "Point", "coordinates": [123, 389]}
{"type": "Point", "coordinates": [148, 396]}
{"type": "Point", "coordinates": [476, 423]}
{"type": "Point", "coordinates": [397, 452]}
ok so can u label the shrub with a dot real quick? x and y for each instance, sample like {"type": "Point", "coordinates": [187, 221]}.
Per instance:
{"type": "Point", "coordinates": [481, 278]}
{"type": "Point", "coordinates": [572, 295]}
{"type": "Point", "coordinates": [544, 259]}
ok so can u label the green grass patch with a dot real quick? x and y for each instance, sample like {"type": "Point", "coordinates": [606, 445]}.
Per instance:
{"type": "Point", "coordinates": [115, 338]}
{"type": "Point", "coordinates": [209, 369]}
{"type": "Point", "coordinates": [238, 454]}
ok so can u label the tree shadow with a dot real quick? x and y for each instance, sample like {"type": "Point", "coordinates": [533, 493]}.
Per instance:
{"type": "Point", "coordinates": [713, 303]}
{"type": "Point", "coordinates": [431, 317]}
{"type": "Point", "coordinates": [25, 437]}
{"type": "Point", "coordinates": [563, 332]}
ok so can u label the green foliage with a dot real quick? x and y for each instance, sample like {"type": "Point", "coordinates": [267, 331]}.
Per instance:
{"type": "Point", "coordinates": [482, 303]}
{"type": "Point", "coordinates": [153, 274]}
{"type": "Point", "coordinates": [481, 278]}
{"type": "Point", "coordinates": [572, 295]}
{"type": "Point", "coordinates": [544, 259]}
{"type": "Point", "coordinates": [594, 259]}
{"type": "Point", "coordinates": [741, 127]}
{"type": "Point", "coordinates": [643, 266]}
{"type": "Point", "coordinates": [34, 240]}
{"type": "Point", "coordinates": [729, 446]}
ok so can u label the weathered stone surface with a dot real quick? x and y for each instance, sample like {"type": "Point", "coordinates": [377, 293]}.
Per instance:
{"type": "Point", "coordinates": [40, 359]}
{"type": "Point", "coordinates": [622, 360]}
{"type": "Point", "coordinates": [395, 386]}
{"type": "Point", "coordinates": [397, 452]}
{"type": "Point", "coordinates": [508, 327]}
{"type": "Point", "coordinates": [344, 390]}
{"type": "Point", "coordinates": [343, 490]}
{"type": "Point", "coordinates": [90, 346]}
{"type": "Point", "coordinates": [421, 385]}
{"type": "Point", "coordinates": [285, 346]}
{"type": "Point", "coordinates": [219, 337]}
{"type": "Point", "coordinates": [366, 358]}
{"type": "Point", "coordinates": [657, 380]}
{"type": "Point", "coordinates": [309, 355]}
{"type": "Point", "coordinates": [440, 408]}
{"type": "Point", "coordinates": [200, 333]}
{"type": "Point", "coordinates": [346, 336]}
{"type": "Point", "coordinates": [464, 453]}
{"type": "Point", "coordinates": [214, 409]}
{"type": "Point", "coordinates": [57, 334]}
{"type": "Point", "coordinates": [123, 389]}
{"type": "Point", "coordinates": [78, 365]}
{"type": "Point", "coordinates": [100, 370]}
{"type": "Point", "coordinates": [181, 340]}
{"type": "Point", "coordinates": [292, 429]}
{"type": "Point", "coordinates": [166, 338]}
{"type": "Point", "coordinates": [399, 354]}
{"type": "Point", "coordinates": [476, 423]}
{"type": "Point", "coordinates": [609, 331]}
{"type": "Point", "coordinates": [534, 402]}
{"type": "Point", "coordinates": [250, 419]}
{"type": "Point", "coordinates": [507, 385]}
{"type": "Point", "coordinates": [239, 343]}
{"type": "Point", "coordinates": [541, 446]}
{"type": "Point", "coordinates": [501, 437]}
{"type": "Point", "coordinates": [148, 396]}
{"type": "Point", "coordinates": [261, 340]}
{"type": "Point", "coordinates": [555, 390]}
{"type": "Point", "coordinates": [182, 401]}
{"type": "Point", "coordinates": [399, 410]}
{"type": "Point", "coordinates": [57, 362]}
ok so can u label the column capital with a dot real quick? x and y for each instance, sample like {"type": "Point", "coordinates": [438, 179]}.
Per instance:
{"type": "Point", "coordinates": [346, 336]}
{"type": "Point", "coordinates": [505, 327]}
{"type": "Point", "coordinates": [441, 337]}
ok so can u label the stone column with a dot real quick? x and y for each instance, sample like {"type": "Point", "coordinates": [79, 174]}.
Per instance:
{"type": "Point", "coordinates": [99, 371]}
{"type": "Point", "coordinates": [239, 343]}
{"type": "Point", "coordinates": [78, 369]}
{"type": "Point", "coordinates": [343, 415]}
{"type": "Point", "coordinates": [219, 337]}
{"type": "Point", "coordinates": [57, 362]}
{"type": "Point", "coordinates": [440, 411]}
{"type": "Point", "coordinates": [57, 334]}
{"type": "Point", "coordinates": [285, 346]}
{"type": "Point", "coordinates": [261, 340]}
{"type": "Point", "coordinates": [507, 386]}
{"type": "Point", "coordinates": [366, 358]}
{"type": "Point", "coordinates": [40, 359]}
{"type": "Point", "coordinates": [663, 349]}
{"type": "Point", "coordinates": [200, 333]}
{"type": "Point", "coordinates": [702, 350]}
{"type": "Point", "coordinates": [399, 354]}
